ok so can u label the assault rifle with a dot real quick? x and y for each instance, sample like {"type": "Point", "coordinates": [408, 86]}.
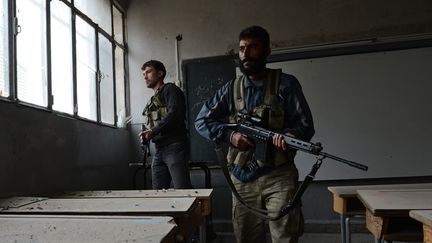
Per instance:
{"type": "Point", "coordinates": [145, 146]}
{"type": "Point", "coordinates": [249, 126]}
{"type": "Point", "coordinates": [146, 165]}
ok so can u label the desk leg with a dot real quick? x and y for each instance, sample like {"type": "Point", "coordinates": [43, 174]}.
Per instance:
{"type": "Point", "coordinates": [347, 229]}
{"type": "Point", "coordinates": [343, 228]}
{"type": "Point", "coordinates": [203, 230]}
{"type": "Point", "coordinates": [427, 233]}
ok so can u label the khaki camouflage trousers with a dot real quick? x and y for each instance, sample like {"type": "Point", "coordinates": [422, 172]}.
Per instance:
{"type": "Point", "coordinates": [270, 191]}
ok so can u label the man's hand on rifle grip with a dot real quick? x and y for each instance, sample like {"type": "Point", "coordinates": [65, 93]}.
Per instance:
{"type": "Point", "coordinates": [241, 142]}
{"type": "Point", "coordinates": [279, 142]}
{"type": "Point", "coordinates": [146, 135]}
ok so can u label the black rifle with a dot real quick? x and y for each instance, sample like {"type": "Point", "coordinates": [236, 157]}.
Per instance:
{"type": "Point", "coordinates": [249, 126]}
{"type": "Point", "coordinates": [145, 147]}
{"type": "Point", "coordinates": [263, 141]}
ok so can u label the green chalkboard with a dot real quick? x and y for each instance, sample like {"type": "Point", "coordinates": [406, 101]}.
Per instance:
{"type": "Point", "coordinates": [202, 78]}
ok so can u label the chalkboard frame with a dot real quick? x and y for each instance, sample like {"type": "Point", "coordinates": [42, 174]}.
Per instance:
{"type": "Point", "coordinates": [350, 48]}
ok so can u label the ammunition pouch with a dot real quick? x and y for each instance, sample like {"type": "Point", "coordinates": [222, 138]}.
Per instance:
{"type": "Point", "coordinates": [154, 111]}
{"type": "Point", "coordinates": [272, 115]}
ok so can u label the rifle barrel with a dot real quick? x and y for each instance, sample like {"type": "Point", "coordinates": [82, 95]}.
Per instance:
{"type": "Point", "coordinates": [348, 162]}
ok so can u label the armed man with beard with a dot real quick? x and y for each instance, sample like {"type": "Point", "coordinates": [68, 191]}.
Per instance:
{"type": "Point", "coordinates": [166, 116]}
{"type": "Point", "coordinates": [276, 98]}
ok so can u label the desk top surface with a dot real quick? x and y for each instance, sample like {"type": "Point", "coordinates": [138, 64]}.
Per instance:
{"type": "Point", "coordinates": [97, 205]}
{"type": "Point", "coordinates": [424, 216]}
{"type": "Point", "coordinates": [43, 228]}
{"type": "Point", "coordinates": [351, 191]}
{"type": "Point", "coordinates": [388, 201]}
{"type": "Point", "coordinates": [170, 193]}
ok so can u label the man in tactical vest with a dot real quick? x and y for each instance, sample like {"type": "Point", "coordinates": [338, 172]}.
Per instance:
{"type": "Point", "coordinates": [276, 98]}
{"type": "Point", "coordinates": [165, 113]}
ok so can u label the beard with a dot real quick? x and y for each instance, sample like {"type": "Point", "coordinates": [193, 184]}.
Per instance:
{"type": "Point", "coordinates": [151, 84]}
{"type": "Point", "coordinates": [258, 65]}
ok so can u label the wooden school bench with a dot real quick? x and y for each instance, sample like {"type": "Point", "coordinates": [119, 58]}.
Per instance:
{"type": "Point", "coordinates": [347, 204]}
{"type": "Point", "coordinates": [98, 229]}
{"type": "Point", "coordinates": [204, 197]}
{"type": "Point", "coordinates": [387, 213]}
{"type": "Point", "coordinates": [185, 211]}
{"type": "Point", "coordinates": [425, 217]}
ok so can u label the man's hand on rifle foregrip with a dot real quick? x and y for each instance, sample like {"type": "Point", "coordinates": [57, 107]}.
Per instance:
{"type": "Point", "coordinates": [239, 141]}
{"type": "Point", "coordinates": [279, 142]}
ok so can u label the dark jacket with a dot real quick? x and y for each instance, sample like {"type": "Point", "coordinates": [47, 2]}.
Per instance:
{"type": "Point", "coordinates": [172, 127]}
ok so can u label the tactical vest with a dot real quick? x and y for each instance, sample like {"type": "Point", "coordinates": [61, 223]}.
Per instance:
{"type": "Point", "coordinates": [155, 109]}
{"type": "Point", "coordinates": [271, 112]}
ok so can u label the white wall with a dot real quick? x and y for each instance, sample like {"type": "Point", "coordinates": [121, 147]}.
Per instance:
{"type": "Point", "coordinates": [372, 108]}
{"type": "Point", "coordinates": [210, 28]}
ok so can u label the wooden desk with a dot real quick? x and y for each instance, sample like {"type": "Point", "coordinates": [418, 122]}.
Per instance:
{"type": "Point", "coordinates": [346, 203]}
{"type": "Point", "coordinates": [387, 212]}
{"type": "Point", "coordinates": [103, 229]}
{"type": "Point", "coordinates": [425, 217]}
{"type": "Point", "coordinates": [204, 196]}
{"type": "Point", "coordinates": [185, 211]}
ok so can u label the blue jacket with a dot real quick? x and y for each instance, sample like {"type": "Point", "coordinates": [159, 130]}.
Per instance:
{"type": "Point", "coordinates": [298, 118]}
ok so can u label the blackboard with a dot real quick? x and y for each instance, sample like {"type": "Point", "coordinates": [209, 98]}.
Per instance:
{"type": "Point", "coordinates": [371, 104]}
{"type": "Point", "coordinates": [202, 78]}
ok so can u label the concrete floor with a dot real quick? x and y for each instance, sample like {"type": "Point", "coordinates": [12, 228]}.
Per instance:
{"type": "Point", "coordinates": [310, 238]}
{"type": "Point", "coordinates": [306, 238]}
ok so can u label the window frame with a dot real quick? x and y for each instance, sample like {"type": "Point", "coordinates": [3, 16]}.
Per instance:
{"type": "Point", "coordinates": [7, 51]}
{"type": "Point", "coordinates": [13, 29]}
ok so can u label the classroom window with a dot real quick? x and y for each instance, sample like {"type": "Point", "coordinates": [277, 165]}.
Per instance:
{"type": "Point", "coordinates": [86, 69]}
{"type": "Point", "coordinates": [119, 57]}
{"type": "Point", "coordinates": [106, 80]}
{"type": "Point", "coordinates": [118, 25]}
{"type": "Point", "coordinates": [31, 52]}
{"type": "Point", "coordinates": [4, 50]}
{"type": "Point", "coordinates": [120, 86]}
{"type": "Point", "coordinates": [98, 10]}
{"type": "Point", "coordinates": [61, 57]}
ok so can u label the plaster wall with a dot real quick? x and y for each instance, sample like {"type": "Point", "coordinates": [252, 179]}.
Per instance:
{"type": "Point", "coordinates": [42, 152]}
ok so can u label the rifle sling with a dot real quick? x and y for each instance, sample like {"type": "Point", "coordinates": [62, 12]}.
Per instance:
{"type": "Point", "coordinates": [263, 214]}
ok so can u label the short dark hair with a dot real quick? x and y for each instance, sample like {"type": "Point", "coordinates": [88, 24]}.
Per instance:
{"type": "Point", "coordinates": [156, 65]}
{"type": "Point", "coordinates": [256, 32]}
